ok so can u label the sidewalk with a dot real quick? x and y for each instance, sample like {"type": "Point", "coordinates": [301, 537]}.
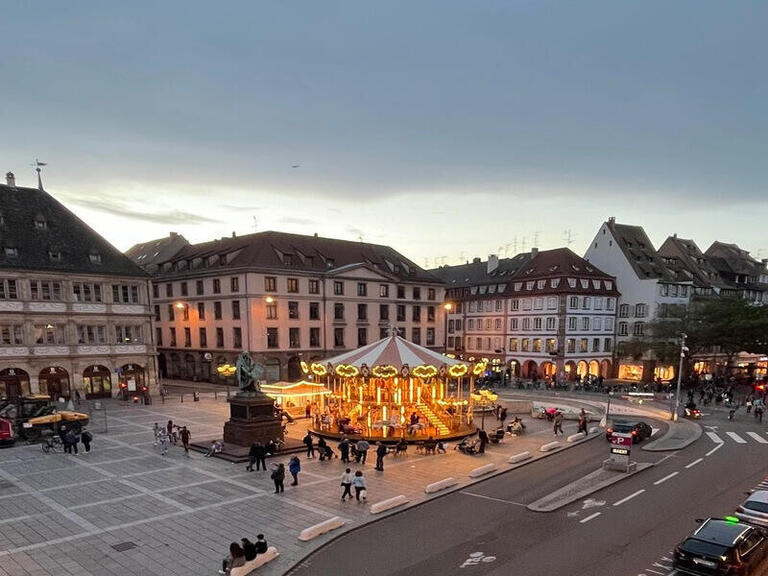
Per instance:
{"type": "Point", "coordinates": [125, 509]}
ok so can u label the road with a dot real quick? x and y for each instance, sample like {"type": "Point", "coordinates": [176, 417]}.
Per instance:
{"type": "Point", "coordinates": [627, 529]}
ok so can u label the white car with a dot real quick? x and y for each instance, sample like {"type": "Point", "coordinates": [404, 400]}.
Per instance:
{"type": "Point", "coordinates": [755, 508]}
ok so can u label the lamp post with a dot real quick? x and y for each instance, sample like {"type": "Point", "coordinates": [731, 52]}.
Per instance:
{"type": "Point", "coordinates": [448, 306]}
{"type": "Point", "coordinates": [683, 350]}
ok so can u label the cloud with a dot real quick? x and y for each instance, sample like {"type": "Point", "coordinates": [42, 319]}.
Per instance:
{"type": "Point", "coordinates": [117, 208]}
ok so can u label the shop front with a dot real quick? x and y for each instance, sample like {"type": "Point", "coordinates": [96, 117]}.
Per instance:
{"type": "Point", "coordinates": [54, 381]}
{"type": "Point", "coordinates": [14, 382]}
{"type": "Point", "coordinates": [132, 378]}
{"type": "Point", "coordinates": [97, 382]}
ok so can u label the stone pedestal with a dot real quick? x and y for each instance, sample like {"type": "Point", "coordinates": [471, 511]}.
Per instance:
{"type": "Point", "coordinates": [252, 419]}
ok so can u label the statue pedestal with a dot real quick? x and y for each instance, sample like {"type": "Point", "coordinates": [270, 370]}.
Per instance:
{"type": "Point", "coordinates": [252, 419]}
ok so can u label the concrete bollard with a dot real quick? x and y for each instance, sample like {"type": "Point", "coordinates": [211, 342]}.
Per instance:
{"type": "Point", "coordinates": [388, 503]}
{"type": "Point", "coordinates": [549, 446]}
{"type": "Point", "coordinates": [519, 457]}
{"type": "Point", "coordinates": [482, 470]}
{"type": "Point", "coordinates": [321, 528]}
{"type": "Point", "coordinates": [575, 437]}
{"type": "Point", "coordinates": [594, 430]}
{"type": "Point", "coordinates": [440, 485]}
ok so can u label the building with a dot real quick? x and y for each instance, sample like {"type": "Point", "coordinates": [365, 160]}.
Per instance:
{"type": "Point", "coordinates": [74, 311]}
{"type": "Point", "coordinates": [748, 278]}
{"type": "Point", "coordinates": [539, 314]}
{"type": "Point", "coordinates": [648, 289]}
{"type": "Point", "coordinates": [150, 254]}
{"type": "Point", "coordinates": [286, 299]}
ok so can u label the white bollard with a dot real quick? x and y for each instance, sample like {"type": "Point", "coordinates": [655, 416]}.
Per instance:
{"type": "Point", "coordinates": [519, 457]}
{"type": "Point", "coordinates": [321, 528]}
{"type": "Point", "coordinates": [440, 485]}
{"type": "Point", "coordinates": [549, 446]}
{"type": "Point", "coordinates": [575, 437]}
{"type": "Point", "coordinates": [388, 503]}
{"type": "Point", "coordinates": [482, 470]}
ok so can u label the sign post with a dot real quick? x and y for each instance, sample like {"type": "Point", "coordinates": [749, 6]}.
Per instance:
{"type": "Point", "coordinates": [621, 449]}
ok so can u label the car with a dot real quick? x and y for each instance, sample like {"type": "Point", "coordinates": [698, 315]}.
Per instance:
{"type": "Point", "coordinates": [639, 430]}
{"type": "Point", "coordinates": [755, 508]}
{"type": "Point", "coordinates": [722, 546]}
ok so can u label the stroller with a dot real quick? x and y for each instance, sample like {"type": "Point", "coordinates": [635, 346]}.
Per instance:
{"type": "Point", "coordinates": [327, 453]}
{"type": "Point", "coordinates": [467, 446]}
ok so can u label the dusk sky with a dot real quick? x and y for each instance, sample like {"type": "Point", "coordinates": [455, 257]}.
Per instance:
{"type": "Point", "coordinates": [447, 129]}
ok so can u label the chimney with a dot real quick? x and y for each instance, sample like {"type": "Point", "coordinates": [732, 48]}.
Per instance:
{"type": "Point", "coordinates": [674, 235]}
{"type": "Point", "coordinates": [612, 220]}
{"type": "Point", "coordinates": [234, 235]}
{"type": "Point", "coordinates": [493, 263]}
{"type": "Point", "coordinates": [173, 234]}
{"type": "Point", "coordinates": [10, 179]}
{"type": "Point", "coordinates": [315, 235]}
{"type": "Point", "coordinates": [476, 260]}
{"type": "Point", "coordinates": [534, 253]}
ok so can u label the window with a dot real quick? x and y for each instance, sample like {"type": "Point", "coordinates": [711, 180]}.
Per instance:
{"type": "Point", "coordinates": [155, 291]}
{"type": "Point", "coordinates": [294, 338]}
{"type": "Point", "coordinates": [184, 289]}
{"type": "Point", "coordinates": [430, 336]}
{"type": "Point", "coordinates": [172, 343]}
{"type": "Point", "coordinates": [551, 323]}
{"type": "Point", "coordinates": [171, 313]}
{"type": "Point", "coordinates": [168, 291]}
{"type": "Point", "coordinates": [293, 285]}
{"type": "Point", "coordinates": [216, 286]}
{"type": "Point", "coordinates": [640, 311]}
{"type": "Point", "coordinates": [515, 305]}
{"type": "Point", "coordinates": [526, 323]}
{"type": "Point", "coordinates": [199, 288]}
{"type": "Point", "coordinates": [598, 303]}
{"type": "Point", "coordinates": [314, 311]}
{"type": "Point", "coordinates": [217, 310]}
{"type": "Point", "coordinates": [185, 313]}
{"type": "Point", "coordinates": [610, 303]}
{"type": "Point", "coordinates": [638, 328]}
{"type": "Point", "coordinates": [158, 336]}
{"type": "Point", "coordinates": [338, 288]}
{"type": "Point", "coordinates": [586, 303]}
{"type": "Point", "coordinates": [540, 284]}
{"type": "Point", "coordinates": [401, 291]}
{"type": "Point", "coordinates": [471, 324]}
{"type": "Point", "coordinates": [497, 324]}
{"type": "Point", "coordinates": [314, 287]}
{"type": "Point", "coordinates": [551, 345]}
{"type": "Point", "coordinates": [401, 312]}
{"type": "Point", "coordinates": [624, 311]}
{"type": "Point", "coordinates": [608, 345]}
{"type": "Point", "coordinates": [430, 293]}
{"type": "Point", "coordinates": [583, 344]}
{"type": "Point", "coordinates": [220, 337]}
{"type": "Point", "coordinates": [128, 334]}
{"type": "Point", "coordinates": [573, 302]}
{"type": "Point", "coordinates": [538, 303]}
{"type": "Point", "coordinates": [416, 335]}
{"type": "Point", "coordinates": [157, 313]}
{"type": "Point", "coordinates": [537, 323]}
{"type": "Point", "coordinates": [585, 323]}
{"type": "Point", "coordinates": [236, 309]}
{"type": "Point", "coordinates": [362, 336]}
{"type": "Point", "coordinates": [86, 292]}
{"type": "Point", "coordinates": [45, 290]}
{"type": "Point", "coordinates": [513, 324]}
{"type": "Point", "coordinates": [234, 284]}
{"type": "Point", "coordinates": [187, 338]}
{"type": "Point", "coordinates": [92, 334]}
{"type": "Point", "coordinates": [362, 312]}
{"type": "Point", "coordinates": [608, 324]}
{"type": "Point", "coordinates": [673, 290]}
{"type": "Point", "coordinates": [383, 312]}
{"type": "Point", "coordinates": [570, 345]}
{"type": "Point", "coordinates": [513, 344]}
{"type": "Point", "coordinates": [314, 337]}
{"type": "Point", "coordinates": [384, 290]}
{"type": "Point", "coordinates": [338, 337]}
{"type": "Point", "coordinates": [203, 335]}
{"type": "Point", "coordinates": [338, 311]}
{"type": "Point", "coordinates": [537, 344]}
{"type": "Point", "coordinates": [597, 324]}
{"type": "Point", "coordinates": [551, 303]}
{"type": "Point", "coordinates": [595, 344]}
{"type": "Point", "coordinates": [416, 313]}
{"type": "Point", "coordinates": [128, 293]}
{"type": "Point", "coordinates": [451, 326]}
{"type": "Point", "coordinates": [573, 323]}
{"type": "Point", "coordinates": [472, 306]}
{"type": "Point", "coordinates": [293, 310]}
{"type": "Point", "coordinates": [525, 345]}
{"type": "Point", "coordinates": [458, 324]}
{"type": "Point", "coordinates": [498, 305]}
{"type": "Point", "coordinates": [270, 284]}
{"type": "Point", "coordinates": [526, 304]}
{"type": "Point", "coordinates": [451, 342]}
{"type": "Point", "coordinates": [271, 310]}
{"type": "Point", "coordinates": [416, 293]}
{"type": "Point", "coordinates": [237, 338]}
{"type": "Point", "coordinates": [362, 289]}
{"type": "Point", "coordinates": [623, 329]}
{"type": "Point", "coordinates": [554, 283]}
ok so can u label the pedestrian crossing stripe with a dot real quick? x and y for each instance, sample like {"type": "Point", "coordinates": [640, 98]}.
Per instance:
{"type": "Point", "coordinates": [757, 437]}
{"type": "Point", "coordinates": [736, 438]}
{"type": "Point", "coordinates": [715, 438]}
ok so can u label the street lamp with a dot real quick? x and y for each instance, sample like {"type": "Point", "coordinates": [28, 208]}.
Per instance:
{"type": "Point", "coordinates": [448, 306]}
{"type": "Point", "coordinates": [683, 350]}
{"type": "Point", "coordinates": [269, 299]}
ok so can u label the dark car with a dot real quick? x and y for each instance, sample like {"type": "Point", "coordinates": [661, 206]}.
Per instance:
{"type": "Point", "coordinates": [639, 430]}
{"type": "Point", "coordinates": [722, 546]}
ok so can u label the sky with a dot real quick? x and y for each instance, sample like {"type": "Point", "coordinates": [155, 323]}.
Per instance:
{"type": "Point", "coordinates": [447, 129]}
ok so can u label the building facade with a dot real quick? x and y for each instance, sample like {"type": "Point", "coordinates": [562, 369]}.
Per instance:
{"type": "Point", "coordinates": [286, 299]}
{"type": "Point", "coordinates": [74, 311]}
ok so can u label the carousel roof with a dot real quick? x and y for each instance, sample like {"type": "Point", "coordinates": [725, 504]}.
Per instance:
{"type": "Point", "coordinates": [301, 388]}
{"type": "Point", "coordinates": [392, 351]}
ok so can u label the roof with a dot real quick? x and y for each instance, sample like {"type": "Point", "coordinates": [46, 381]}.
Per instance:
{"type": "Point", "coordinates": [731, 259]}
{"type": "Point", "coordinates": [474, 273]}
{"type": "Point", "coordinates": [37, 232]}
{"type": "Point", "coordinates": [391, 351]}
{"type": "Point", "coordinates": [640, 253]}
{"type": "Point", "coordinates": [149, 254]}
{"type": "Point", "coordinates": [684, 256]}
{"type": "Point", "coordinates": [293, 252]}
{"type": "Point", "coordinates": [721, 532]}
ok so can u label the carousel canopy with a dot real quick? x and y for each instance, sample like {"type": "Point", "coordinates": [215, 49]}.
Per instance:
{"type": "Point", "coordinates": [302, 388]}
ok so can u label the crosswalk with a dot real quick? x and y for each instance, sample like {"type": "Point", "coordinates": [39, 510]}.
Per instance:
{"type": "Point", "coordinates": [739, 438]}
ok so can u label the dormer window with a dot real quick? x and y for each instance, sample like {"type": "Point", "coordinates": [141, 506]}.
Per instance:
{"type": "Point", "coordinates": [54, 255]}
{"type": "Point", "coordinates": [11, 252]}
{"type": "Point", "coordinates": [222, 259]}
{"type": "Point", "coordinates": [94, 258]}
{"type": "Point", "coordinates": [41, 223]}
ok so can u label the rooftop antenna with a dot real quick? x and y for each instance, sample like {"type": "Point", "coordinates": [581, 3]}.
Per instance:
{"type": "Point", "coordinates": [506, 250]}
{"type": "Point", "coordinates": [426, 263]}
{"type": "Point", "coordinates": [38, 169]}
{"type": "Point", "coordinates": [255, 224]}
{"type": "Point", "coordinates": [514, 244]}
{"type": "Point", "coordinates": [442, 259]}
{"type": "Point", "coordinates": [524, 242]}
{"type": "Point", "coordinates": [536, 239]}
{"type": "Point", "coordinates": [568, 237]}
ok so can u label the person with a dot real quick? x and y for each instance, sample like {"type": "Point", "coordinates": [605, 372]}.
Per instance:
{"type": "Point", "coordinates": [308, 410]}
{"type": "Point", "coordinates": [362, 450]}
{"type": "Point", "coordinates": [278, 475]}
{"type": "Point", "coordinates": [216, 447]}
{"type": "Point", "coordinates": [71, 441]}
{"type": "Point", "coordinates": [321, 444]}
{"type": "Point", "coordinates": [249, 549]}
{"type": "Point", "coordinates": [236, 558]}
{"type": "Point", "coordinates": [361, 488]}
{"type": "Point", "coordinates": [77, 399]}
{"type": "Point", "coordinates": [430, 445]}
{"type": "Point", "coordinates": [558, 425]}
{"type": "Point", "coordinates": [483, 437]}
{"type": "Point", "coordinates": [344, 449]}
{"type": "Point", "coordinates": [185, 436]}
{"type": "Point", "coordinates": [441, 447]}
{"type": "Point", "coordinates": [749, 404]}
{"type": "Point", "coordinates": [252, 451]}
{"type": "Point", "coordinates": [261, 544]}
{"type": "Point", "coordinates": [294, 467]}
{"type": "Point", "coordinates": [156, 434]}
{"type": "Point", "coordinates": [86, 438]}
{"type": "Point", "coordinates": [172, 438]}
{"type": "Point", "coordinates": [308, 442]}
{"type": "Point", "coordinates": [503, 415]}
{"type": "Point", "coordinates": [163, 440]}
{"type": "Point", "coordinates": [759, 413]}
{"type": "Point", "coordinates": [381, 451]}
{"type": "Point", "coordinates": [346, 483]}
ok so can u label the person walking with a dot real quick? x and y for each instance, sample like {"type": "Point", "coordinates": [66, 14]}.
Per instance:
{"type": "Point", "coordinates": [759, 413]}
{"type": "Point", "coordinates": [294, 467]}
{"type": "Point", "coordinates": [86, 438]}
{"type": "Point", "coordinates": [162, 438]}
{"type": "Point", "coordinates": [308, 443]}
{"type": "Point", "coordinates": [251, 457]}
{"type": "Point", "coordinates": [185, 436]}
{"type": "Point", "coordinates": [156, 434]}
{"type": "Point", "coordinates": [346, 483]}
{"type": "Point", "coordinates": [344, 449]}
{"type": "Point", "coordinates": [381, 451]}
{"type": "Point", "coordinates": [261, 456]}
{"type": "Point", "coordinates": [558, 425]}
{"type": "Point", "coordinates": [362, 450]}
{"type": "Point", "coordinates": [503, 416]}
{"type": "Point", "coordinates": [361, 487]}
{"type": "Point", "coordinates": [321, 444]}
{"type": "Point", "coordinates": [482, 435]}
{"type": "Point", "coordinates": [278, 476]}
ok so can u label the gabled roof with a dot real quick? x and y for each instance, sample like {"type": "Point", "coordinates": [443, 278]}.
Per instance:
{"type": "Point", "coordinates": [476, 273]}
{"type": "Point", "coordinates": [149, 254]}
{"type": "Point", "coordinates": [292, 252]}
{"type": "Point", "coordinates": [731, 258]}
{"type": "Point", "coordinates": [683, 255]}
{"type": "Point", "coordinates": [37, 232]}
{"type": "Point", "coordinates": [640, 253]}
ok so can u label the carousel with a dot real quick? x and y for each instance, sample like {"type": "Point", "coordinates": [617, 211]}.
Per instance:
{"type": "Point", "coordinates": [393, 389]}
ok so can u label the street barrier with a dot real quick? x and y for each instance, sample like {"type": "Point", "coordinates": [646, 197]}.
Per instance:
{"type": "Point", "coordinates": [519, 457]}
{"type": "Point", "coordinates": [388, 503]}
{"type": "Point", "coordinates": [440, 485]}
{"type": "Point", "coordinates": [321, 528]}
{"type": "Point", "coordinates": [482, 470]}
{"type": "Point", "coordinates": [575, 437]}
{"type": "Point", "coordinates": [251, 565]}
{"type": "Point", "coordinates": [549, 446]}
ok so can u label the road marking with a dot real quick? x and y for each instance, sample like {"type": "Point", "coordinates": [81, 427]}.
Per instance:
{"type": "Point", "coordinates": [736, 438]}
{"type": "Point", "coordinates": [590, 517]}
{"type": "Point", "coordinates": [653, 431]}
{"type": "Point", "coordinates": [692, 464]}
{"type": "Point", "coordinates": [492, 498]}
{"type": "Point", "coordinates": [592, 503]}
{"type": "Point", "coordinates": [667, 477]}
{"type": "Point", "coordinates": [757, 437]}
{"type": "Point", "coordinates": [715, 438]}
{"type": "Point", "coordinates": [715, 449]}
{"type": "Point", "coordinates": [620, 502]}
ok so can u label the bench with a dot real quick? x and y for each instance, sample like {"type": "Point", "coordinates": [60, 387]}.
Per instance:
{"type": "Point", "coordinates": [260, 560]}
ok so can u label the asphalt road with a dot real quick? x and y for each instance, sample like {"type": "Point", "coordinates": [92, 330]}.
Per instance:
{"type": "Point", "coordinates": [626, 529]}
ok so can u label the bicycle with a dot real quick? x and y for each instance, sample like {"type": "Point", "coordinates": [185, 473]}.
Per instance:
{"type": "Point", "coordinates": [51, 443]}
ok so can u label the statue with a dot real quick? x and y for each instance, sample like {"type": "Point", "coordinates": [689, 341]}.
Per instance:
{"type": "Point", "coordinates": [247, 374]}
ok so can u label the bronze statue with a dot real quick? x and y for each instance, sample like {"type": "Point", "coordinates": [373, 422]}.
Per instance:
{"type": "Point", "coordinates": [248, 373]}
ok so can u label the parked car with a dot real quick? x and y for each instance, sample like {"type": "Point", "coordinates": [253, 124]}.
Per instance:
{"type": "Point", "coordinates": [755, 508]}
{"type": "Point", "coordinates": [638, 430]}
{"type": "Point", "coordinates": [722, 546]}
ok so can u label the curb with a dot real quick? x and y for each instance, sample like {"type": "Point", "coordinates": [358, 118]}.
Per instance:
{"type": "Point", "coordinates": [674, 428]}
